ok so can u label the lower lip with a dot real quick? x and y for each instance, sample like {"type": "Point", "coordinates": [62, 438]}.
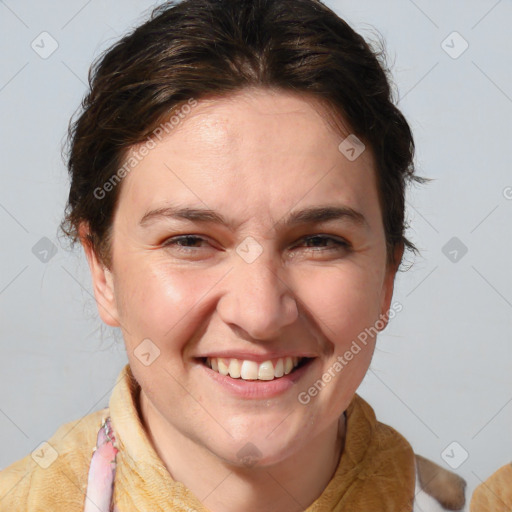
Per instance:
{"type": "Point", "coordinates": [258, 389]}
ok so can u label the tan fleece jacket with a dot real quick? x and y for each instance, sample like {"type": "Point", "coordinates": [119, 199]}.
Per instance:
{"type": "Point", "coordinates": [376, 472]}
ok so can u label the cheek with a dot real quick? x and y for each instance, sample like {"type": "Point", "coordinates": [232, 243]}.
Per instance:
{"type": "Point", "coordinates": [156, 302]}
{"type": "Point", "coordinates": [163, 302]}
{"type": "Point", "coordinates": [343, 300]}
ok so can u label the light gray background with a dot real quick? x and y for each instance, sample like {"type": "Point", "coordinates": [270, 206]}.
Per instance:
{"type": "Point", "coordinates": [442, 369]}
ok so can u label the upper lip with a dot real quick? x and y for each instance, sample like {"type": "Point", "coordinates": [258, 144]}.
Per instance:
{"type": "Point", "coordinates": [257, 357]}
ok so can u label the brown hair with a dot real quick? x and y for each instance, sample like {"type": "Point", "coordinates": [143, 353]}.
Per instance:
{"type": "Point", "coordinates": [203, 48]}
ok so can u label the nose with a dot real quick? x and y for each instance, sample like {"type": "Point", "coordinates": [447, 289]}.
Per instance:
{"type": "Point", "coordinates": [258, 299]}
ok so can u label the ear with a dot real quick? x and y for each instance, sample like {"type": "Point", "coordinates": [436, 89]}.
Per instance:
{"type": "Point", "coordinates": [102, 280]}
{"type": "Point", "coordinates": [389, 284]}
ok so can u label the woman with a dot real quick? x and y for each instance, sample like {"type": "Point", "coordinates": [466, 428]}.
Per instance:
{"type": "Point", "coordinates": [237, 183]}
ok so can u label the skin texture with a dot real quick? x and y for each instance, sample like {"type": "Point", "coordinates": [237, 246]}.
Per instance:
{"type": "Point", "coordinates": [255, 157]}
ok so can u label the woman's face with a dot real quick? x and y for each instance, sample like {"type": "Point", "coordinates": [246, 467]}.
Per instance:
{"type": "Point", "coordinates": [258, 280]}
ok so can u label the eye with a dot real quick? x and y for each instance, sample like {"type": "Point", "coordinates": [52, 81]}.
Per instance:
{"type": "Point", "coordinates": [315, 243]}
{"type": "Point", "coordinates": [185, 243]}
{"type": "Point", "coordinates": [337, 244]}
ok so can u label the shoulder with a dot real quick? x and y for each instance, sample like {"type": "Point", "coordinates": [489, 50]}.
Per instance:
{"type": "Point", "coordinates": [54, 475]}
{"type": "Point", "coordinates": [495, 494]}
{"type": "Point", "coordinates": [437, 489]}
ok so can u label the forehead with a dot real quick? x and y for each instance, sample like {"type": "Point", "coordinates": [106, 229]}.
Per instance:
{"type": "Point", "coordinates": [252, 153]}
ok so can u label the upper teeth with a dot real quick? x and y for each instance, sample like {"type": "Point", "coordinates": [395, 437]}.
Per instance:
{"type": "Point", "coordinates": [251, 370]}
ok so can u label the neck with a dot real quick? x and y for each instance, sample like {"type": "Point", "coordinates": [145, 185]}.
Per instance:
{"type": "Point", "coordinates": [288, 486]}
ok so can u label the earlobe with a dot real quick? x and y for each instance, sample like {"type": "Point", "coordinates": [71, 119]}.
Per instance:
{"type": "Point", "coordinates": [102, 281]}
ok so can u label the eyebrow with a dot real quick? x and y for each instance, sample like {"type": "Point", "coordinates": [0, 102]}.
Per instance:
{"type": "Point", "coordinates": [311, 215]}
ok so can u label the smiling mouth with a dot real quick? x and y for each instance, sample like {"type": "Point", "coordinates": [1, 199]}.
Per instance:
{"type": "Point", "coordinates": [251, 370]}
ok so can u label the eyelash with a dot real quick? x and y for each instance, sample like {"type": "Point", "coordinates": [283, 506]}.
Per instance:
{"type": "Point", "coordinates": [339, 243]}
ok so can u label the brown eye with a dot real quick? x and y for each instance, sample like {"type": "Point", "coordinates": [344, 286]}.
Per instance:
{"type": "Point", "coordinates": [336, 243]}
{"type": "Point", "coordinates": [185, 242]}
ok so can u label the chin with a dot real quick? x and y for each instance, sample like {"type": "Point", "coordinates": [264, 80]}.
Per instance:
{"type": "Point", "coordinates": [257, 451]}
{"type": "Point", "coordinates": [251, 456]}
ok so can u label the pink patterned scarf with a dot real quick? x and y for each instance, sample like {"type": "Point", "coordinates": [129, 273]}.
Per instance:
{"type": "Point", "coordinates": [100, 484]}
